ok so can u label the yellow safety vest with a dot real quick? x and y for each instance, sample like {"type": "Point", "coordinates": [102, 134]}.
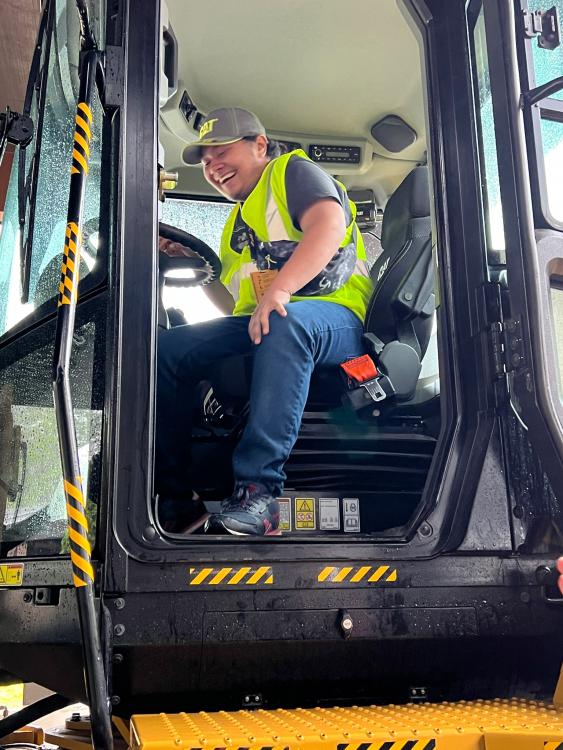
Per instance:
{"type": "Point", "coordinates": [265, 212]}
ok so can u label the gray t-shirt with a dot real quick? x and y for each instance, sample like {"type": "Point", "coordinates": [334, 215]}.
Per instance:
{"type": "Point", "coordinates": [305, 184]}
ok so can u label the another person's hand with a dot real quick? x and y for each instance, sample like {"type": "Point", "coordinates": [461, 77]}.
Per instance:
{"type": "Point", "coordinates": [273, 299]}
{"type": "Point", "coordinates": [560, 570]}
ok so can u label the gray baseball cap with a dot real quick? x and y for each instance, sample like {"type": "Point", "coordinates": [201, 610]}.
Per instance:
{"type": "Point", "coordinates": [224, 125]}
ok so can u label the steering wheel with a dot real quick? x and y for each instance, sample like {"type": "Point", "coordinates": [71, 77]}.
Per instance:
{"type": "Point", "coordinates": [203, 261]}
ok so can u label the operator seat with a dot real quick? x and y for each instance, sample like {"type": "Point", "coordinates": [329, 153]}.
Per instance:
{"type": "Point", "coordinates": [402, 305]}
{"type": "Point", "coordinates": [401, 312]}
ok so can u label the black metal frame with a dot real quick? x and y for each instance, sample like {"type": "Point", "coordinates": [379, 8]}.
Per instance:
{"type": "Point", "coordinates": [532, 382]}
{"type": "Point", "coordinates": [131, 411]}
{"type": "Point", "coordinates": [467, 406]}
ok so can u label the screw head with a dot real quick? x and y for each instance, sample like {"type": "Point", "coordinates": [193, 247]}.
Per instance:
{"type": "Point", "coordinates": [27, 597]}
{"type": "Point", "coordinates": [149, 533]}
{"type": "Point", "coordinates": [119, 603]}
{"type": "Point", "coordinates": [425, 529]}
{"type": "Point", "coordinates": [119, 629]}
{"type": "Point", "coordinates": [115, 700]}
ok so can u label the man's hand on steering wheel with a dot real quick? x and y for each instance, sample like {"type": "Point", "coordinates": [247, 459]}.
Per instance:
{"type": "Point", "coordinates": [181, 251]}
{"type": "Point", "coordinates": [175, 249]}
{"type": "Point", "coordinates": [273, 299]}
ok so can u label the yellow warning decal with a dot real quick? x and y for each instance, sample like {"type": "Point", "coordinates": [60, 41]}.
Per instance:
{"type": "Point", "coordinates": [245, 576]}
{"type": "Point", "coordinates": [358, 574]}
{"type": "Point", "coordinates": [11, 574]}
{"type": "Point", "coordinates": [305, 513]}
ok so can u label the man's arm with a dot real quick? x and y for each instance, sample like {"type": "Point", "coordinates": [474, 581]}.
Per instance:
{"type": "Point", "coordinates": [220, 296]}
{"type": "Point", "coordinates": [324, 226]}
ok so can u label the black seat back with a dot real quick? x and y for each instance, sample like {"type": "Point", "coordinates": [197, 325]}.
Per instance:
{"type": "Point", "coordinates": [402, 304]}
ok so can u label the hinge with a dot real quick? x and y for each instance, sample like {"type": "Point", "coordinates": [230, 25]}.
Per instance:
{"type": "Point", "coordinates": [507, 346]}
{"type": "Point", "coordinates": [15, 128]}
{"type": "Point", "coordinates": [544, 25]}
{"type": "Point", "coordinates": [112, 84]}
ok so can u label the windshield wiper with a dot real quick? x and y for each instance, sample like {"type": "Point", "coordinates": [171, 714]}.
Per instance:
{"type": "Point", "coordinates": [37, 82]}
{"type": "Point", "coordinates": [87, 38]}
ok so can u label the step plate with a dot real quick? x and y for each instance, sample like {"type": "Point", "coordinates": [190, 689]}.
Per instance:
{"type": "Point", "coordinates": [517, 724]}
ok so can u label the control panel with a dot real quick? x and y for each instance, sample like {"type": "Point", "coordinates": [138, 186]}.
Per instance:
{"type": "Point", "coordinates": [333, 154]}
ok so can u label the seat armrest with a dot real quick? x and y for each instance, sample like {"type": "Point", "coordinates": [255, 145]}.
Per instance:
{"type": "Point", "coordinates": [401, 363]}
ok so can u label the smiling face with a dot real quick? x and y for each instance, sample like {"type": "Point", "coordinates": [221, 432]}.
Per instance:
{"type": "Point", "coordinates": [234, 169]}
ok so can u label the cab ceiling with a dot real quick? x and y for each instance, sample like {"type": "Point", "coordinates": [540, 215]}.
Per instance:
{"type": "Point", "coordinates": [318, 67]}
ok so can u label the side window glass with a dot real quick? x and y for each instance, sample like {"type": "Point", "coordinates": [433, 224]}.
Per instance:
{"type": "Point", "coordinates": [490, 183]}
{"type": "Point", "coordinates": [547, 65]}
{"type": "Point", "coordinates": [32, 502]}
{"type": "Point", "coordinates": [205, 220]}
{"type": "Point", "coordinates": [52, 184]}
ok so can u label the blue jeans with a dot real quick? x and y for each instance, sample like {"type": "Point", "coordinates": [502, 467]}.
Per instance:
{"type": "Point", "coordinates": [313, 333]}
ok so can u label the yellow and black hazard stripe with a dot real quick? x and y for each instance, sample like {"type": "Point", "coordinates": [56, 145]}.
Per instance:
{"type": "Point", "coordinates": [82, 138]}
{"type": "Point", "coordinates": [418, 744]}
{"type": "Point", "coordinates": [553, 745]}
{"type": "Point", "coordinates": [80, 551]}
{"type": "Point", "coordinates": [391, 745]}
{"type": "Point", "coordinates": [358, 574]}
{"type": "Point", "coordinates": [69, 269]}
{"type": "Point", "coordinates": [239, 576]}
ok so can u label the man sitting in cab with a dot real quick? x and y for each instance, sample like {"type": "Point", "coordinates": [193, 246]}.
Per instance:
{"type": "Point", "coordinates": [294, 264]}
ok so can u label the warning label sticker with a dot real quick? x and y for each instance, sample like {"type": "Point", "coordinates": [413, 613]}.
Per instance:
{"type": "Point", "coordinates": [11, 574]}
{"type": "Point", "coordinates": [285, 514]}
{"type": "Point", "coordinates": [329, 514]}
{"type": "Point", "coordinates": [351, 513]}
{"type": "Point", "coordinates": [305, 513]}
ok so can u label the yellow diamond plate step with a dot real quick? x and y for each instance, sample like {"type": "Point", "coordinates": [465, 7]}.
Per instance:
{"type": "Point", "coordinates": [499, 724]}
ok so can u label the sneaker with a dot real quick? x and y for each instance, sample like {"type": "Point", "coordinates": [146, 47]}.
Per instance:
{"type": "Point", "coordinates": [251, 510]}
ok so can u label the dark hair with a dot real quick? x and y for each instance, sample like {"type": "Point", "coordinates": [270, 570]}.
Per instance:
{"type": "Point", "coordinates": [273, 149]}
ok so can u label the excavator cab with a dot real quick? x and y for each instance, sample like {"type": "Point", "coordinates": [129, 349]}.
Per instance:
{"type": "Point", "coordinates": [421, 516]}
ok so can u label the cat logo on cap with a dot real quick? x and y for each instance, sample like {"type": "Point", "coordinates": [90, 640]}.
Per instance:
{"type": "Point", "coordinates": [207, 127]}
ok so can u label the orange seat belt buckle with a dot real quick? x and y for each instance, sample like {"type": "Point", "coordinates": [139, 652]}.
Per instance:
{"type": "Point", "coordinates": [360, 369]}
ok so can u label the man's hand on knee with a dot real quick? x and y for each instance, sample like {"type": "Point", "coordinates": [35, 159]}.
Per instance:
{"type": "Point", "coordinates": [273, 299]}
